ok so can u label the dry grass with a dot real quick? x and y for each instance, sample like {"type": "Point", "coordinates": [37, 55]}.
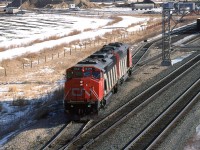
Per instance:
{"type": "Point", "coordinates": [74, 42]}
{"type": "Point", "coordinates": [15, 71]}
{"type": "Point", "coordinates": [32, 55]}
{"type": "Point", "coordinates": [5, 63]}
{"type": "Point", "coordinates": [116, 19]}
{"type": "Point", "coordinates": [74, 32]}
{"type": "Point", "coordinates": [87, 29]}
{"type": "Point", "coordinates": [2, 49]}
{"type": "Point", "coordinates": [12, 89]}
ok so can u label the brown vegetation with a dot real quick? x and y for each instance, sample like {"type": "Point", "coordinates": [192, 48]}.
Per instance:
{"type": "Point", "coordinates": [59, 64]}
{"type": "Point", "coordinates": [12, 89]}
{"type": "Point", "coordinates": [74, 32]}
{"type": "Point", "coordinates": [87, 29]}
{"type": "Point", "coordinates": [115, 19]}
{"type": "Point", "coordinates": [20, 101]}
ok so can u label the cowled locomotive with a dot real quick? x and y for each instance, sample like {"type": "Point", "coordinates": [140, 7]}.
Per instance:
{"type": "Point", "coordinates": [91, 82]}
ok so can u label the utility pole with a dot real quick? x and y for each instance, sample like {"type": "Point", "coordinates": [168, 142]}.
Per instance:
{"type": "Point", "coordinates": [182, 9]}
{"type": "Point", "coordinates": [166, 33]}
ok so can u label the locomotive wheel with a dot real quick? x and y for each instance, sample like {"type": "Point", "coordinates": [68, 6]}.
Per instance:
{"type": "Point", "coordinates": [102, 103]}
{"type": "Point", "coordinates": [129, 73]}
{"type": "Point", "coordinates": [96, 107]}
{"type": "Point", "coordinates": [115, 90]}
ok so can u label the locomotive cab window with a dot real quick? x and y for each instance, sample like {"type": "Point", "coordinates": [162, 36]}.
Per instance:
{"type": "Point", "coordinates": [69, 74]}
{"type": "Point", "coordinates": [87, 73]}
{"type": "Point", "coordinates": [96, 74]}
{"type": "Point", "coordinates": [78, 74]}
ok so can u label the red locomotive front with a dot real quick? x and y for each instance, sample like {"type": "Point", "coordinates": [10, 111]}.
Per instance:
{"type": "Point", "coordinates": [83, 89]}
{"type": "Point", "coordinates": [92, 81]}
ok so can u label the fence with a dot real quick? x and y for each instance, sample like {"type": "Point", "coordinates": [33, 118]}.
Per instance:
{"type": "Point", "coordinates": [79, 46]}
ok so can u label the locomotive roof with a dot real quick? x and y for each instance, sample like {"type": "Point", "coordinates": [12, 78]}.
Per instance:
{"type": "Point", "coordinates": [104, 58]}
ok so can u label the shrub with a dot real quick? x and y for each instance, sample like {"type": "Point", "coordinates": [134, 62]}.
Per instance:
{"type": "Point", "coordinates": [87, 29]}
{"type": "Point", "coordinates": [115, 20]}
{"type": "Point", "coordinates": [12, 89]}
{"type": "Point", "coordinates": [20, 101]}
{"type": "Point", "coordinates": [58, 94]}
{"type": "Point", "coordinates": [74, 32]}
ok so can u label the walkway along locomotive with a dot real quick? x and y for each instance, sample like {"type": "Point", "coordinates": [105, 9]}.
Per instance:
{"type": "Point", "coordinates": [91, 82]}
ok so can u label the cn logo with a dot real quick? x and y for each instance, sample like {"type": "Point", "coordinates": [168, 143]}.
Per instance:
{"type": "Point", "coordinates": [77, 92]}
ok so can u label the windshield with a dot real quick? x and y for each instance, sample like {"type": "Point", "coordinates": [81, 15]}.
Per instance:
{"type": "Point", "coordinates": [69, 74]}
{"type": "Point", "coordinates": [96, 74]}
{"type": "Point", "coordinates": [78, 73]}
{"type": "Point", "coordinates": [87, 73]}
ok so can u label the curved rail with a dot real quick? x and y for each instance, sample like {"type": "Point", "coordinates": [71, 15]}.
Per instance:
{"type": "Point", "coordinates": [62, 132]}
{"type": "Point", "coordinates": [102, 127]}
{"type": "Point", "coordinates": [55, 137]}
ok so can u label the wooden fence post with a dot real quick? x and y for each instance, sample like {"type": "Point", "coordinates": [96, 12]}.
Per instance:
{"type": "Point", "coordinates": [5, 72]}
{"type": "Point", "coordinates": [45, 58]}
{"type": "Point", "coordinates": [31, 63]}
{"type": "Point", "coordinates": [52, 56]}
{"type": "Point", "coordinates": [70, 51]}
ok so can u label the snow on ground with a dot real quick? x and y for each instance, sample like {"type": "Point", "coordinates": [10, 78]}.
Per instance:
{"type": "Point", "coordinates": [45, 25]}
{"type": "Point", "coordinates": [24, 29]}
{"type": "Point", "coordinates": [178, 59]}
{"type": "Point", "coordinates": [19, 30]}
{"type": "Point", "coordinates": [178, 43]}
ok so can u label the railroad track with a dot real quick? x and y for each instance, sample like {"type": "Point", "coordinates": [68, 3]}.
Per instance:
{"type": "Point", "coordinates": [110, 122]}
{"type": "Point", "coordinates": [154, 133]}
{"type": "Point", "coordinates": [82, 138]}
{"type": "Point", "coordinates": [137, 57]}
{"type": "Point", "coordinates": [60, 138]}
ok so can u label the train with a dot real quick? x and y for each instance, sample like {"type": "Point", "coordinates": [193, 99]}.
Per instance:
{"type": "Point", "coordinates": [90, 83]}
{"type": "Point", "coordinates": [142, 6]}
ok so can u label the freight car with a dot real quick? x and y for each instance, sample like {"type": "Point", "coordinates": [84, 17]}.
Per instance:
{"type": "Point", "coordinates": [91, 82]}
{"type": "Point", "coordinates": [141, 6]}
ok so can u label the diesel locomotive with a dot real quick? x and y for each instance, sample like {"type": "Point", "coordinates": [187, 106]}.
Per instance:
{"type": "Point", "coordinates": [91, 82]}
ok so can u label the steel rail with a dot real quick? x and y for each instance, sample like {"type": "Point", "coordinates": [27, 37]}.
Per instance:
{"type": "Point", "coordinates": [81, 130]}
{"type": "Point", "coordinates": [139, 107]}
{"type": "Point", "coordinates": [63, 130]}
{"type": "Point", "coordinates": [170, 126]}
{"type": "Point", "coordinates": [138, 63]}
{"type": "Point", "coordinates": [175, 109]}
{"type": "Point", "coordinates": [56, 136]}
{"type": "Point", "coordinates": [150, 91]}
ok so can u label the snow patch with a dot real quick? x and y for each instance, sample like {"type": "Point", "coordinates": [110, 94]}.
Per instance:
{"type": "Point", "coordinates": [47, 70]}
{"type": "Point", "coordinates": [178, 59]}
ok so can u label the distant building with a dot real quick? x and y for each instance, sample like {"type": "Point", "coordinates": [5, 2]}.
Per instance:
{"type": "Point", "coordinates": [12, 10]}
{"type": "Point", "coordinates": [72, 6]}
